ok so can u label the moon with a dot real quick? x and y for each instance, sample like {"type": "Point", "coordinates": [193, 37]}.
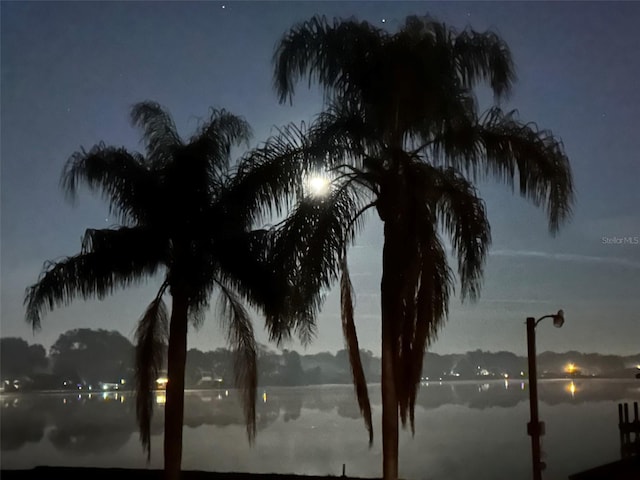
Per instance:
{"type": "Point", "coordinates": [319, 186]}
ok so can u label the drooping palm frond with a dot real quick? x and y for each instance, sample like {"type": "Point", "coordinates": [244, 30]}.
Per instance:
{"type": "Point", "coordinates": [481, 57]}
{"type": "Point", "coordinates": [347, 135]}
{"type": "Point", "coordinates": [125, 244]}
{"type": "Point", "coordinates": [110, 259]}
{"type": "Point", "coordinates": [271, 178]}
{"type": "Point", "coordinates": [351, 340]}
{"type": "Point", "coordinates": [245, 262]}
{"type": "Point", "coordinates": [237, 323]}
{"type": "Point", "coordinates": [330, 54]}
{"type": "Point", "coordinates": [309, 244]}
{"type": "Point", "coordinates": [159, 131]}
{"type": "Point", "coordinates": [415, 285]}
{"type": "Point", "coordinates": [431, 308]}
{"type": "Point", "coordinates": [122, 177]}
{"type": "Point", "coordinates": [218, 134]}
{"type": "Point", "coordinates": [463, 215]}
{"type": "Point", "coordinates": [511, 151]}
{"type": "Point", "coordinates": [152, 335]}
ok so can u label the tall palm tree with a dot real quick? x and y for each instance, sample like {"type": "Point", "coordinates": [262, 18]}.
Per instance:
{"type": "Point", "coordinates": [184, 216]}
{"type": "Point", "coordinates": [401, 132]}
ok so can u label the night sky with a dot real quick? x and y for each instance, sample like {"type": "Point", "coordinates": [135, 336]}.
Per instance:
{"type": "Point", "coordinates": [71, 71]}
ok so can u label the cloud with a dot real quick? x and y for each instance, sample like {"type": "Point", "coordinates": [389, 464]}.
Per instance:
{"type": "Point", "coordinates": [568, 257]}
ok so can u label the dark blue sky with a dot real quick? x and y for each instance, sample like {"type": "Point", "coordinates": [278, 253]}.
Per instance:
{"type": "Point", "coordinates": [71, 71]}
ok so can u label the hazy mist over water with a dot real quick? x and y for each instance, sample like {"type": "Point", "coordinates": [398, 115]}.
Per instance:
{"type": "Point", "coordinates": [462, 429]}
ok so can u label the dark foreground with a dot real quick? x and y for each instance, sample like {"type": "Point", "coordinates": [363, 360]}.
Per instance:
{"type": "Point", "coordinates": [627, 469]}
{"type": "Point", "coordinates": [77, 473]}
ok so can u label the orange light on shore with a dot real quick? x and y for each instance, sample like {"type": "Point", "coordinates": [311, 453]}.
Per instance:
{"type": "Point", "coordinates": [162, 382]}
{"type": "Point", "coordinates": [570, 368]}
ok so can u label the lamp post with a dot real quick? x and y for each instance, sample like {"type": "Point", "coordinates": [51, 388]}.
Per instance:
{"type": "Point", "coordinates": [535, 428]}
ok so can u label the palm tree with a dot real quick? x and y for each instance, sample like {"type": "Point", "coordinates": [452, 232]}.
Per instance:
{"type": "Point", "coordinates": [184, 216]}
{"type": "Point", "coordinates": [401, 132]}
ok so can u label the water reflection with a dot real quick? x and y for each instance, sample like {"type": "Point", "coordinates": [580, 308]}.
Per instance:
{"type": "Point", "coordinates": [95, 423]}
{"type": "Point", "coordinates": [23, 420]}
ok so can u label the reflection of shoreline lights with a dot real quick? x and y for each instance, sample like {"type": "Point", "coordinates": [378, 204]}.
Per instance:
{"type": "Point", "coordinates": [161, 398]}
{"type": "Point", "coordinates": [264, 397]}
{"type": "Point", "coordinates": [571, 388]}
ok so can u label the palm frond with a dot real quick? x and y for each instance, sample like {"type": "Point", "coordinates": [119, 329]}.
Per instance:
{"type": "Point", "coordinates": [236, 321]}
{"type": "Point", "coordinates": [507, 149]}
{"type": "Point", "coordinates": [110, 259]}
{"type": "Point", "coordinates": [270, 178]}
{"type": "Point", "coordinates": [152, 335]}
{"type": "Point", "coordinates": [196, 313]}
{"type": "Point", "coordinates": [159, 131]}
{"type": "Point", "coordinates": [346, 134]}
{"type": "Point", "coordinates": [122, 177]}
{"type": "Point", "coordinates": [213, 142]}
{"type": "Point", "coordinates": [416, 283]}
{"type": "Point", "coordinates": [223, 130]}
{"type": "Point", "coordinates": [463, 215]}
{"type": "Point", "coordinates": [325, 52]}
{"type": "Point", "coordinates": [351, 339]}
{"type": "Point", "coordinates": [483, 57]}
{"type": "Point", "coordinates": [309, 245]}
{"type": "Point", "coordinates": [244, 262]}
{"type": "Point", "coordinates": [432, 305]}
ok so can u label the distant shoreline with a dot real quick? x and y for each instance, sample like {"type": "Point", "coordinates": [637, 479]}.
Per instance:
{"type": "Point", "coordinates": [425, 383]}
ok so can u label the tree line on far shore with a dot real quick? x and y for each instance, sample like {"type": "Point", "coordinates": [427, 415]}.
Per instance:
{"type": "Point", "coordinates": [84, 357]}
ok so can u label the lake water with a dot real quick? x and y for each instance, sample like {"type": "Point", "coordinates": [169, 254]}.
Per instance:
{"type": "Point", "coordinates": [464, 430]}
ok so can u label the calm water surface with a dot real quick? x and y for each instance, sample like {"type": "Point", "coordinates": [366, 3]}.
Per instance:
{"type": "Point", "coordinates": [463, 430]}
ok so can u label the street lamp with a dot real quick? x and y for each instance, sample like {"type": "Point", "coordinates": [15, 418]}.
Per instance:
{"type": "Point", "coordinates": [535, 428]}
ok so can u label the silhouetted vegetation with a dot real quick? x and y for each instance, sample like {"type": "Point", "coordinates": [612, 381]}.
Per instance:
{"type": "Point", "coordinates": [401, 133]}
{"type": "Point", "coordinates": [85, 357]}
{"type": "Point", "coordinates": [188, 215]}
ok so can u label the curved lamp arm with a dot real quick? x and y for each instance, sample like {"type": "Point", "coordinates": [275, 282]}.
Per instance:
{"type": "Point", "coordinates": [558, 319]}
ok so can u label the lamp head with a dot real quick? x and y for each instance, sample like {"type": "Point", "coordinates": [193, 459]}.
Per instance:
{"type": "Point", "coordinates": [558, 319]}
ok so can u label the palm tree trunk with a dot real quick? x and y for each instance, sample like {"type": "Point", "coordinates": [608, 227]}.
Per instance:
{"type": "Point", "coordinates": [174, 408]}
{"type": "Point", "coordinates": [389, 300]}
